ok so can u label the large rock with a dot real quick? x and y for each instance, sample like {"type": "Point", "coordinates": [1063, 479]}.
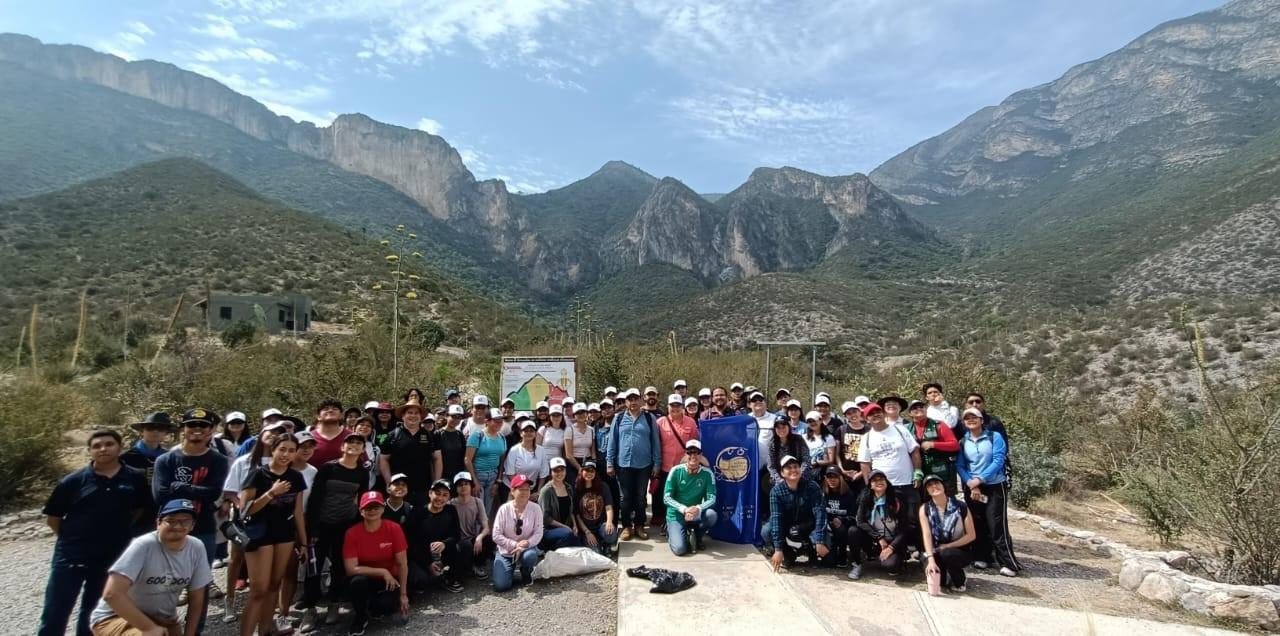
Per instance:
{"type": "Point", "coordinates": [1255, 610]}
{"type": "Point", "coordinates": [1162, 587]}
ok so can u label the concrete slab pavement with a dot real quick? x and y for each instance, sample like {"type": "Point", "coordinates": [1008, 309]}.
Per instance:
{"type": "Point", "coordinates": [739, 594]}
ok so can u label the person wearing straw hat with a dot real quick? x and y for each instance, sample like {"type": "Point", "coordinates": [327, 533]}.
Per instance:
{"type": "Point", "coordinates": [410, 450]}
{"type": "Point", "coordinates": [153, 431]}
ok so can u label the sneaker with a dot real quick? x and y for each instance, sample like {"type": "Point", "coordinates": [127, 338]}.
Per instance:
{"type": "Point", "coordinates": [216, 592]}
{"type": "Point", "coordinates": [479, 571]}
{"type": "Point", "coordinates": [241, 584]}
{"type": "Point", "coordinates": [981, 565]}
{"type": "Point", "coordinates": [283, 626]}
{"type": "Point", "coordinates": [228, 617]}
{"type": "Point", "coordinates": [855, 572]}
{"type": "Point", "coordinates": [331, 614]}
{"type": "Point", "coordinates": [698, 543]}
{"type": "Point", "coordinates": [642, 533]}
{"type": "Point", "coordinates": [626, 534]}
{"type": "Point", "coordinates": [310, 622]}
{"type": "Point", "coordinates": [219, 564]}
{"type": "Point", "coordinates": [358, 627]}
{"type": "Point", "coordinates": [959, 589]}
{"type": "Point", "coordinates": [452, 586]}
{"type": "Point", "coordinates": [1007, 572]}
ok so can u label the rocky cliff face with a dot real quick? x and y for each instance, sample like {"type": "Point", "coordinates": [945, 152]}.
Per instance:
{"type": "Point", "coordinates": [1175, 96]}
{"type": "Point", "coordinates": [421, 165]}
{"type": "Point", "coordinates": [779, 220]}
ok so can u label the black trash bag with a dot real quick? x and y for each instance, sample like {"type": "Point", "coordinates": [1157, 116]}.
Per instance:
{"type": "Point", "coordinates": [664, 581]}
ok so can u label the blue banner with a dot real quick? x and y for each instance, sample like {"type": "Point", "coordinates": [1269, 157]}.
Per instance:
{"type": "Point", "coordinates": [729, 444]}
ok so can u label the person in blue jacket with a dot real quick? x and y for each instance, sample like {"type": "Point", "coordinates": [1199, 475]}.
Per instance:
{"type": "Point", "coordinates": [634, 456]}
{"type": "Point", "coordinates": [980, 465]}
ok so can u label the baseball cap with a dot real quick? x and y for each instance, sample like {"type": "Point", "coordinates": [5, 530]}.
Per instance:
{"type": "Point", "coordinates": [234, 416]}
{"type": "Point", "coordinates": [675, 398]}
{"type": "Point", "coordinates": [518, 481]}
{"type": "Point", "coordinates": [848, 406]}
{"type": "Point", "coordinates": [915, 403]}
{"type": "Point", "coordinates": [529, 424]}
{"type": "Point", "coordinates": [567, 400]}
{"type": "Point", "coordinates": [495, 414]}
{"type": "Point", "coordinates": [269, 412]}
{"type": "Point", "coordinates": [542, 404]}
{"type": "Point", "coordinates": [755, 397]}
{"type": "Point", "coordinates": [704, 392]}
{"type": "Point", "coordinates": [693, 443]}
{"type": "Point", "coordinates": [832, 470]}
{"type": "Point", "coordinates": [556, 409]}
{"type": "Point", "coordinates": [371, 405]}
{"type": "Point", "coordinates": [506, 401]}
{"type": "Point", "coordinates": [523, 415]}
{"type": "Point", "coordinates": [632, 392]}
{"type": "Point", "coordinates": [371, 498]}
{"type": "Point", "coordinates": [651, 389]}
{"type": "Point", "coordinates": [589, 464]}
{"type": "Point", "coordinates": [736, 386]}
{"type": "Point", "coordinates": [788, 459]}
{"type": "Point", "coordinates": [463, 476]}
{"type": "Point", "coordinates": [610, 390]}
{"type": "Point", "coordinates": [690, 400]}
{"type": "Point", "coordinates": [579, 406]}
{"type": "Point", "coordinates": [302, 437]}
{"type": "Point", "coordinates": [822, 399]}
{"type": "Point", "coordinates": [276, 425]}
{"type": "Point", "coordinates": [750, 389]}
{"type": "Point", "coordinates": [441, 483]}
{"type": "Point", "coordinates": [456, 409]}
{"type": "Point", "coordinates": [398, 477]}
{"type": "Point", "coordinates": [199, 416]}
{"type": "Point", "coordinates": [451, 393]}
{"type": "Point", "coordinates": [812, 415]}
{"type": "Point", "coordinates": [871, 408]}
{"type": "Point", "coordinates": [679, 384]}
{"type": "Point", "coordinates": [781, 392]}
{"type": "Point", "coordinates": [594, 406]}
{"type": "Point", "coordinates": [175, 506]}
{"type": "Point", "coordinates": [929, 478]}
{"type": "Point", "coordinates": [556, 462]}
{"type": "Point", "coordinates": [480, 400]}
{"type": "Point", "coordinates": [861, 400]}
{"type": "Point", "coordinates": [794, 404]}
{"type": "Point", "coordinates": [972, 411]}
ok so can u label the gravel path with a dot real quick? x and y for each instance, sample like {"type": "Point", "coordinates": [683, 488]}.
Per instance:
{"type": "Point", "coordinates": [575, 605]}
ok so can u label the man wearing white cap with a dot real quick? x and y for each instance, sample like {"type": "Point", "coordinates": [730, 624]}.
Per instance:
{"type": "Point", "coordinates": [689, 495]}
{"type": "Point", "coordinates": [797, 516]}
{"type": "Point", "coordinates": [634, 456]}
{"type": "Point", "coordinates": [823, 406]}
{"type": "Point", "coordinates": [611, 392]}
{"type": "Point", "coordinates": [651, 401]}
{"type": "Point", "coordinates": [737, 396]}
{"type": "Point", "coordinates": [269, 417]}
{"type": "Point", "coordinates": [675, 429]}
{"type": "Point", "coordinates": [780, 399]}
{"type": "Point", "coordinates": [681, 387]}
{"type": "Point", "coordinates": [479, 415]}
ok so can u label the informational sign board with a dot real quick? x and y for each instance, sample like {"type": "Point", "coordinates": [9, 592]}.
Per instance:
{"type": "Point", "coordinates": [529, 380]}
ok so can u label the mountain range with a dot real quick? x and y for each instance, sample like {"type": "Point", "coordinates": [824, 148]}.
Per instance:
{"type": "Point", "coordinates": [1096, 188]}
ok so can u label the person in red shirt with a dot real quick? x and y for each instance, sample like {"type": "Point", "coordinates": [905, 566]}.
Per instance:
{"type": "Point", "coordinates": [938, 446]}
{"type": "Point", "coordinates": [329, 433]}
{"type": "Point", "coordinates": [376, 557]}
{"type": "Point", "coordinates": [674, 430]}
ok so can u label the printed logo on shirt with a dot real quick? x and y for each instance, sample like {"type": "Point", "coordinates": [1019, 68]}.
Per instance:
{"type": "Point", "coordinates": [384, 545]}
{"type": "Point", "coordinates": [167, 579]}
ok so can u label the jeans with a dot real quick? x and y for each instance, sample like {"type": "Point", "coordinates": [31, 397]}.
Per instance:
{"type": "Point", "coordinates": [485, 481]}
{"type": "Point", "coordinates": [370, 596]}
{"type": "Point", "coordinates": [861, 543]}
{"type": "Point", "coordinates": [634, 484]}
{"type": "Point", "coordinates": [676, 531]}
{"type": "Point", "coordinates": [558, 537]}
{"type": "Point", "coordinates": [504, 569]}
{"type": "Point", "coordinates": [66, 582]}
{"type": "Point", "coordinates": [605, 541]}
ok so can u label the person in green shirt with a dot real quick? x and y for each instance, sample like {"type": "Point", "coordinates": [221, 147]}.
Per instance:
{"type": "Point", "coordinates": [690, 496]}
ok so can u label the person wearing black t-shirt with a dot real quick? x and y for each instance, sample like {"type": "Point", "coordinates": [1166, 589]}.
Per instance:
{"type": "Point", "coordinates": [91, 510]}
{"type": "Point", "coordinates": [331, 509]}
{"type": "Point", "coordinates": [433, 532]}
{"type": "Point", "coordinates": [450, 450]}
{"type": "Point", "coordinates": [272, 499]}
{"type": "Point", "coordinates": [153, 431]}
{"type": "Point", "coordinates": [409, 450]}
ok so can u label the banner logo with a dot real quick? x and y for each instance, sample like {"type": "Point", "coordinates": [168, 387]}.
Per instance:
{"type": "Point", "coordinates": [732, 464]}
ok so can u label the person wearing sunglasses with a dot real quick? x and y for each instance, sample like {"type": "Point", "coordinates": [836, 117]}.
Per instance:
{"type": "Point", "coordinates": [517, 530]}
{"type": "Point", "coordinates": [690, 498]}
{"type": "Point", "coordinates": [144, 584]}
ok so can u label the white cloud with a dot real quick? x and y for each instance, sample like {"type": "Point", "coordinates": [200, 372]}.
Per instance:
{"type": "Point", "coordinates": [281, 23]}
{"type": "Point", "coordinates": [426, 124]}
{"type": "Point", "coordinates": [224, 54]}
{"type": "Point", "coordinates": [287, 101]}
{"type": "Point", "coordinates": [140, 28]}
{"type": "Point", "coordinates": [131, 38]}
{"type": "Point", "coordinates": [216, 26]}
{"type": "Point", "coordinates": [298, 114]}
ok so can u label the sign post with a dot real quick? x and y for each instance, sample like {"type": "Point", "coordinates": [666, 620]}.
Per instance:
{"type": "Point", "coordinates": [529, 380]}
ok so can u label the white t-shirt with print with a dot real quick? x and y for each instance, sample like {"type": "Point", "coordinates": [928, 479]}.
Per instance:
{"type": "Point", "coordinates": [889, 451]}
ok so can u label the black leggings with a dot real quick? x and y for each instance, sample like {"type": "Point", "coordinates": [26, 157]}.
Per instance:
{"type": "Point", "coordinates": [370, 596]}
{"type": "Point", "coordinates": [991, 521]}
{"type": "Point", "coordinates": [951, 562]}
{"type": "Point", "coordinates": [862, 543]}
{"type": "Point", "coordinates": [328, 545]}
{"type": "Point", "coordinates": [841, 538]}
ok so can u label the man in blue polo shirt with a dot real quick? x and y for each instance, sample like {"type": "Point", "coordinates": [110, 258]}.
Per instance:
{"type": "Point", "coordinates": [91, 510]}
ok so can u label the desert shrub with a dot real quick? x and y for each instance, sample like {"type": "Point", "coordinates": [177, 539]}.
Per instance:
{"type": "Point", "coordinates": [34, 416]}
{"type": "Point", "coordinates": [240, 333]}
{"type": "Point", "coordinates": [1036, 471]}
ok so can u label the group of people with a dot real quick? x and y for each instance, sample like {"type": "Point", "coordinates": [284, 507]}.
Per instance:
{"type": "Point", "coordinates": [370, 506]}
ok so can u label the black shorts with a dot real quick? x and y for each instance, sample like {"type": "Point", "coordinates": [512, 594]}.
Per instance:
{"type": "Point", "coordinates": [276, 534]}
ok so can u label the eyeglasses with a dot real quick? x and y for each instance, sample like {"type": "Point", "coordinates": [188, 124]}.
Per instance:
{"type": "Point", "coordinates": [975, 401]}
{"type": "Point", "coordinates": [179, 523]}
{"type": "Point", "coordinates": [693, 451]}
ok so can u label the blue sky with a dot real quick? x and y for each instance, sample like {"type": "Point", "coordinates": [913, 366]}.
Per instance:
{"type": "Point", "coordinates": [542, 92]}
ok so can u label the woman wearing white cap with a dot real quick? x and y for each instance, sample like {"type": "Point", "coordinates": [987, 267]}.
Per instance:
{"type": "Point", "coordinates": [527, 458]}
{"type": "Point", "coordinates": [579, 441]}
{"type": "Point", "coordinates": [484, 461]}
{"type": "Point", "coordinates": [821, 445]}
{"type": "Point", "coordinates": [794, 414]}
{"type": "Point", "coordinates": [556, 500]}
{"type": "Point", "coordinates": [980, 465]}
{"type": "Point", "coordinates": [692, 408]}
{"type": "Point", "coordinates": [551, 434]}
